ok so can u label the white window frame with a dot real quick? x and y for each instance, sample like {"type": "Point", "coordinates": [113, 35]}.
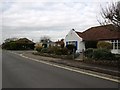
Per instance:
{"type": "Point", "coordinates": [115, 44]}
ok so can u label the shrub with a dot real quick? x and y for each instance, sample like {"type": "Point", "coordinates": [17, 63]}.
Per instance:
{"type": "Point", "coordinates": [76, 55]}
{"type": "Point", "coordinates": [99, 54]}
{"type": "Point", "coordinates": [44, 50]}
{"type": "Point", "coordinates": [64, 51]}
{"type": "Point", "coordinates": [103, 54]}
{"type": "Point", "coordinates": [13, 46]}
{"type": "Point", "coordinates": [54, 49]}
{"type": "Point", "coordinates": [104, 45]}
{"type": "Point", "coordinates": [89, 52]}
{"type": "Point", "coordinates": [70, 47]}
{"type": "Point", "coordinates": [58, 52]}
{"type": "Point", "coordinates": [38, 49]}
{"type": "Point", "coordinates": [61, 51]}
{"type": "Point", "coordinates": [117, 57]}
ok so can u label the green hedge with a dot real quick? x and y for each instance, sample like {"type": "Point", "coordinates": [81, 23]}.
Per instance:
{"type": "Point", "coordinates": [99, 54]}
{"type": "Point", "coordinates": [89, 53]}
{"type": "Point", "coordinates": [54, 50]}
{"type": "Point", "coordinates": [103, 54]}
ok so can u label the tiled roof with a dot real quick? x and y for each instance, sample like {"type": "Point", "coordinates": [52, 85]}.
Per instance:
{"type": "Point", "coordinates": [80, 34]}
{"type": "Point", "coordinates": [106, 32]}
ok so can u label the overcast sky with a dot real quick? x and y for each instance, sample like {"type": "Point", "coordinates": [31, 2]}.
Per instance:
{"type": "Point", "coordinates": [53, 18]}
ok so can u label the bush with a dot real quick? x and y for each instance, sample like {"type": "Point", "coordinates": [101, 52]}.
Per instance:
{"type": "Point", "coordinates": [104, 45]}
{"type": "Point", "coordinates": [117, 57]}
{"type": "Point", "coordinates": [58, 52]}
{"type": "Point", "coordinates": [70, 47]}
{"type": "Point", "coordinates": [44, 50]}
{"type": "Point", "coordinates": [61, 51]}
{"type": "Point", "coordinates": [76, 55]}
{"type": "Point", "coordinates": [53, 50]}
{"type": "Point", "coordinates": [103, 54]}
{"type": "Point", "coordinates": [99, 54]}
{"type": "Point", "coordinates": [89, 53]}
{"type": "Point", "coordinates": [38, 49]}
{"type": "Point", "coordinates": [64, 51]}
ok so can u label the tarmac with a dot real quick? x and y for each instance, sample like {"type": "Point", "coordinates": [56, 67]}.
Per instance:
{"type": "Point", "coordinates": [112, 72]}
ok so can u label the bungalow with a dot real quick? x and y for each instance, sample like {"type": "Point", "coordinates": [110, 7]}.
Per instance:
{"type": "Point", "coordinates": [99, 33]}
{"type": "Point", "coordinates": [45, 43]}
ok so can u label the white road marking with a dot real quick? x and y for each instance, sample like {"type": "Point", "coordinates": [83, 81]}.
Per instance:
{"type": "Point", "coordinates": [70, 69]}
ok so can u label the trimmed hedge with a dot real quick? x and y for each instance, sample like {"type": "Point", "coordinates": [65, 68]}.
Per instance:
{"type": "Point", "coordinates": [104, 45]}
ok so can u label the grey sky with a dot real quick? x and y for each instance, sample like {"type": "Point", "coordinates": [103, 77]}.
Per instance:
{"type": "Point", "coordinates": [54, 18]}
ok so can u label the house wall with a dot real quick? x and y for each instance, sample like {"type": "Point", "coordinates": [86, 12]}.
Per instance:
{"type": "Point", "coordinates": [72, 36]}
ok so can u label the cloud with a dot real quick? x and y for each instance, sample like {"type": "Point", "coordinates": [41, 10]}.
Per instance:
{"type": "Point", "coordinates": [35, 18]}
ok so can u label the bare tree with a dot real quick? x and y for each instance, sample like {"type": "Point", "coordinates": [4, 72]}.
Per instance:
{"type": "Point", "coordinates": [111, 15]}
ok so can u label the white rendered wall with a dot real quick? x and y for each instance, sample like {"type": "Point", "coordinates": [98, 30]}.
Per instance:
{"type": "Point", "coordinates": [73, 36]}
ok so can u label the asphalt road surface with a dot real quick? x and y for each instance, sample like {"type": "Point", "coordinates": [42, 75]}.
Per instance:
{"type": "Point", "coordinates": [19, 72]}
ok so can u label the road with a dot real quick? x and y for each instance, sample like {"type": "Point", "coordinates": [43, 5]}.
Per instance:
{"type": "Point", "coordinates": [19, 72]}
{"type": "Point", "coordinates": [0, 68]}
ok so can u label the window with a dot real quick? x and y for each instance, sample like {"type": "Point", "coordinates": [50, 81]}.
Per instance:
{"type": "Point", "coordinates": [118, 44]}
{"type": "Point", "coordinates": [115, 44]}
{"type": "Point", "coordinates": [72, 42]}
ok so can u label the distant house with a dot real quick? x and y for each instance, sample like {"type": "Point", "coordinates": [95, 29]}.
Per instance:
{"type": "Point", "coordinates": [48, 44]}
{"type": "Point", "coordinates": [99, 33]}
{"type": "Point", "coordinates": [60, 43]}
{"type": "Point", "coordinates": [24, 43]}
{"type": "Point", "coordinates": [45, 43]}
{"type": "Point", "coordinates": [38, 44]}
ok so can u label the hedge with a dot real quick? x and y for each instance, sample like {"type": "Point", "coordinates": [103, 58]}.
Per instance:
{"type": "Point", "coordinates": [99, 54]}
{"type": "Point", "coordinates": [104, 45]}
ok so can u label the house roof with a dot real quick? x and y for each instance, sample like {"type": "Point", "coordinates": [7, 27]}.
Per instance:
{"type": "Point", "coordinates": [24, 40]}
{"type": "Point", "coordinates": [60, 42]}
{"type": "Point", "coordinates": [106, 32]}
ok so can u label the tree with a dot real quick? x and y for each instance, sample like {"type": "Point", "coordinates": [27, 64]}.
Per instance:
{"type": "Point", "coordinates": [20, 44]}
{"type": "Point", "coordinates": [111, 15]}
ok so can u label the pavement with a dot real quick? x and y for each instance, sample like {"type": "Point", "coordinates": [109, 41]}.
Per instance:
{"type": "Point", "coordinates": [112, 72]}
{"type": "Point", "coordinates": [21, 72]}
